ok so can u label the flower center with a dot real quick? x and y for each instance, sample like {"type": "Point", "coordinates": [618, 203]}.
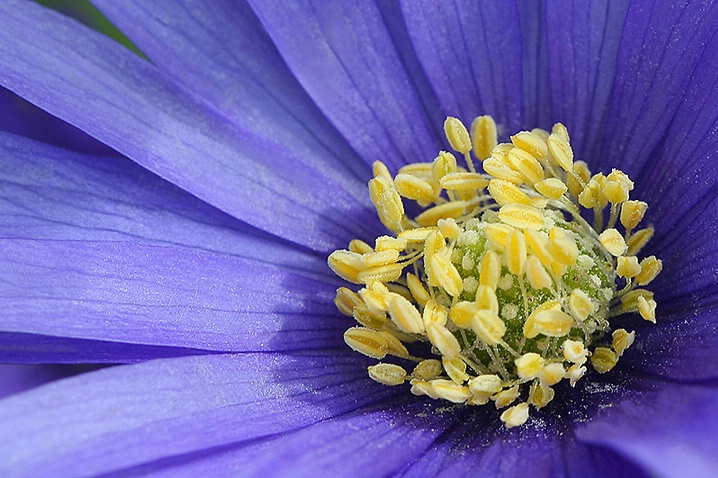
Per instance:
{"type": "Point", "coordinates": [499, 288]}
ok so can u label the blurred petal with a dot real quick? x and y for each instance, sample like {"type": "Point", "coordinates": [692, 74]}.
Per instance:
{"type": "Point", "coordinates": [171, 296]}
{"type": "Point", "coordinates": [672, 431]}
{"type": "Point", "coordinates": [134, 108]}
{"type": "Point", "coordinates": [348, 65]}
{"type": "Point", "coordinates": [471, 52]}
{"type": "Point", "coordinates": [128, 415]}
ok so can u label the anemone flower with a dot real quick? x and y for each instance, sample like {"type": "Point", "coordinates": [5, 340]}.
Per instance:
{"type": "Point", "coordinates": [198, 259]}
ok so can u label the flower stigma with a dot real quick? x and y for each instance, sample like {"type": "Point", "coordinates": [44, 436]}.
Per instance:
{"type": "Point", "coordinates": [499, 288]}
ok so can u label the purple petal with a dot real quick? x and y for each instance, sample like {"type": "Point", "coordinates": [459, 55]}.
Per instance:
{"type": "Point", "coordinates": [679, 184]}
{"type": "Point", "coordinates": [20, 117]}
{"type": "Point", "coordinates": [663, 46]}
{"type": "Point", "coordinates": [20, 378]}
{"type": "Point", "coordinates": [682, 345]}
{"type": "Point", "coordinates": [219, 51]}
{"type": "Point", "coordinates": [582, 44]}
{"type": "Point", "coordinates": [131, 106]}
{"type": "Point", "coordinates": [32, 348]}
{"type": "Point", "coordinates": [672, 431]}
{"type": "Point", "coordinates": [534, 61]}
{"type": "Point", "coordinates": [50, 193]}
{"type": "Point", "coordinates": [170, 295]}
{"type": "Point", "coordinates": [129, 415]}
{"type": "Point", "coordinates": [478, 444]}
{"type": "Point", "coordinates": [471, 52]}
{"type": "Point", "coordinates": [368, 443]}
{"type": "Point", "coordinates": [348, 65]}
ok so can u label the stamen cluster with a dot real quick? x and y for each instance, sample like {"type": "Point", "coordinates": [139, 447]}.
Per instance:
{"type": "Point", "coordinates": [499, 288]}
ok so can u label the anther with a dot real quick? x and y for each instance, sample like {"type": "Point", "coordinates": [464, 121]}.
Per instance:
{"type": "Point", "coordinates": [498, 234]}
{"type": "Point", "coordinates": [486, 299]}
{"type": "Point", "coordinates": [457, 135]}
{"type": "Point", "coordinates": [501, 170]}
{"type": "Point", "coordinates": [531, 143]}
{"type": "Point", "coordinates": [521, 216]}
{"type": "Point", "coordinates": [446, 274]}
{"type": "Point", "coordinates": [434, 313]}
{"type": "Point", "coordinates": [647, 308]}
{"type": "Point", "coordinates": [529, 365]}
{"type": "Point", "coordinates": [523, 162]}
{"type": "Point", "coordinates": [574, 351]}
{"type": "Point", "coordinates": [603, 359]}
{"type": "Point", "coordinates": [622, 340]}
{"type": "Point", "coordinates": [628, 267]}
{"type": "Point", "coordinates": [347, 265]}
{"type": "Point", "coordinates": [551, 373]}
{"type": "Point", "coordinates": [427, 369]}
{"type": "Point", "coordinates": [552, 188]}
{"type": "Point", "coordinates": [490, 270]}
{"type": "Point", "coordinates": [536, 274]}
{"type": "Point", "coordinates": [551, 323]}
{"type": "Point", "coordinates": [540, 394]}
{"type": "Point", "coordinates": [443, 340]}
{"type": "Point", "coordinates": [367, 342]}
{"type": "Point", "coordinates": [360, 247]}
{"type": "Point", "coordinates": [483, 136]}
{"type": "Point", "coordinates": [650, 268]}
{"type": "Point", "coordinates": [415, 188]}
{"type": "Point", "coordinates": [632, 213]}
{"type": "Point", "coordinates": [455, 368]}
{"type": "Point", "coordinates": [387, 374]}
{"type": "Point", "coordinates": [581, 304]}
{"type": "Point", "coordinates": [387, 202]}
{"type": "Point", "coordinates": [560, 130]}
{"type": "Point", "coordinates": [506, 192]}
{"type": "Point", "coordinates": [561, 151]}
{"type": "Point", "coordinates": [431, 216]}
{"type": "Point", "coordinates": [346, 300]}
{"type": "Point", "coordinates": [516, 252]}
{"type": "Point", "coordinates": [420, 294]}
{"type": "Point", "coordinates": [637, 240]}
{"type": "Point", "coordinates": [450, 390]}
{"type": "Point", "coordinates": [485, 384]}
{"type": "Point", "coordinates": [506, 397]}
{"type": "Point", "coordinates": [444, 163]}
{"type": "Point", "coordinates": [613, 241]}
{"type": "Point", "coordinates": [405, 316]}
{"type": "Point", "coordinates": [516, 415]}
{"type": "Point", "coordinates": [488, 326]}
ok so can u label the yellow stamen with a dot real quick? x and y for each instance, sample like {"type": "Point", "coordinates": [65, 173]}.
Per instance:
{"type": "Point", "coordinates": [497, 275]}
{"type": "Point", "coordinates": [483, 136]}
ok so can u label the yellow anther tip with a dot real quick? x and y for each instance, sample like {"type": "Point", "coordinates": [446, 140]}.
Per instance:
{"type": "Point", "coordinates": [457, 135]}
{"type": "Point", "coordinates": [516, 415]}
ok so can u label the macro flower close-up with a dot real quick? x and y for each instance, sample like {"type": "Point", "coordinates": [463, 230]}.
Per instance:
{"type": "Point", "coordinates": [256, 242]}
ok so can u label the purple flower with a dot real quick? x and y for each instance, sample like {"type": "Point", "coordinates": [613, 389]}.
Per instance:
{"type": "Point", "coordinates": [198, 259]}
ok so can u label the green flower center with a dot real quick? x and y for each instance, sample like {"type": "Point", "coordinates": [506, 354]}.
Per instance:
{"type": "Point", "coordinates": [501, 278]}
